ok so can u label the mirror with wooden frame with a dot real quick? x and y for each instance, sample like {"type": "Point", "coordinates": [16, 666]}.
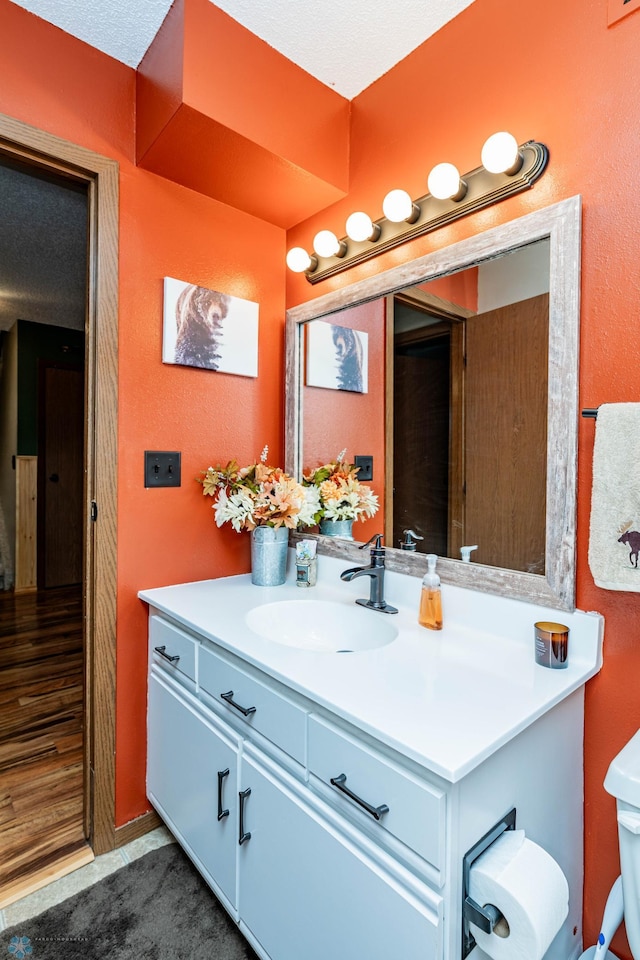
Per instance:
{"type": "Point", "coordinates": [471, 406]}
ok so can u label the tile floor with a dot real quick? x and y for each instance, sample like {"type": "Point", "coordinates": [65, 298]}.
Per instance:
{"type": "Point", "coordinates": [82, 878]}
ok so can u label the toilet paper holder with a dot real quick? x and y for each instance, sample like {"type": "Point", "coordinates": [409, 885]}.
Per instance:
{"type": "Point", "coordinates": [487, 916]}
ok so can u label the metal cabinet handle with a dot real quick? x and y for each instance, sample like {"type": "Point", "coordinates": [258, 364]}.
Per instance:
{"type": "Point", "coordinates": [242, 836]}
{"type": "Point", "coordinates": [167, 656]}
{"type": "Point", "coordinates": [221, 775]}
{"type": "Point", "coordinates": [228, 698]}
{"type": "Point", "coordinates": [375, 812]}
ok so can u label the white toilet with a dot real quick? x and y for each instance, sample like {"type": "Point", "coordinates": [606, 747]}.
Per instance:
{"type": "Point", "coordinates": [623, 782]}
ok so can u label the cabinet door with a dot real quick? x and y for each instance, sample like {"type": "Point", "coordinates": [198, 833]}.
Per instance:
{"type": "Point", "coordinates": [306, 891]}
{"type": "Point", "coordinates": [191, 779]}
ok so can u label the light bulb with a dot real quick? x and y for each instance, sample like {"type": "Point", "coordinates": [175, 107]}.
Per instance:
{"type": "Point", "coordinates": [298, 260]}
{"type": "Point", "coordinates": [444, 182]}
{"type": "Point", "coordinates": [360, 227]}
{"type": "Point", "coordinates": [326, 244]}
{"type": "Point", "coordinates": [500, 154]}
{"type": "Point", "coordinates": [398, 206]}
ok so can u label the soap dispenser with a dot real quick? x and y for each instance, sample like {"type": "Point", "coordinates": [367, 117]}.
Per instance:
{"type": "Point", "coordinates": [430, 615]}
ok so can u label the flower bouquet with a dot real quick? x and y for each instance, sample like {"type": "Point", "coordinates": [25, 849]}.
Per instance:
{"type": "Point", "coordinates": [266, 501]}
{"type": "Point", "coordinates": [342, 498]}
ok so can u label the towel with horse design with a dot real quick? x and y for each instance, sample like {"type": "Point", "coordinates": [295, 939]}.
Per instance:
{"type": "Point", "coordinates": [614, 538]}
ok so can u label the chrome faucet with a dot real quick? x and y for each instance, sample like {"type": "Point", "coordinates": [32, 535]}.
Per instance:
{"type": "Point", "coordinates": [375, 570]}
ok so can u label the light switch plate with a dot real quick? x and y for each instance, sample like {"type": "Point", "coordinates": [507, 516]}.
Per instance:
{"type": "Point", "coordinates": [161, 468]}
{"type": "Point", "coordinates": [366, 467]}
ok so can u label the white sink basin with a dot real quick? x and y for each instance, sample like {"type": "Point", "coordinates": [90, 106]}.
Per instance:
{"type": "Point", "coordinates": [322, 626]}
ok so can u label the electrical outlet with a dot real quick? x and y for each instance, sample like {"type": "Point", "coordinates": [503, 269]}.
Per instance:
{"type": "Point", "coordinates": [161, 468]}
{"type": "Point", "coordinates": [366, 467]}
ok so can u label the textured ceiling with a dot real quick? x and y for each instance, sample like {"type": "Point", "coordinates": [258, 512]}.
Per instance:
{"type": "Point", "coordinates": [347, 44]}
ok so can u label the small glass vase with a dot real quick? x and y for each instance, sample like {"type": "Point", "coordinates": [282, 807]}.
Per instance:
{"type": "Point", "coordinates": [269, 548]}
{"type": "Point", "coordinates": [337, 528]}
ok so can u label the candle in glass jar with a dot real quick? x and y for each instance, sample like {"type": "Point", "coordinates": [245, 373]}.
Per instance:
{"type": "Point", "coordinates": [551, 644]}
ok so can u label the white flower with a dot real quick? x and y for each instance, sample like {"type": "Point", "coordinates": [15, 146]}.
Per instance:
{"type": "Point", "coordinates": [311, 505]}
{"type": "Point", "coordinates": [344, 508]}
{"type": "Point", "coordinates": [236, 509]}
{"type": "Point", "coordinates": [369, 502]}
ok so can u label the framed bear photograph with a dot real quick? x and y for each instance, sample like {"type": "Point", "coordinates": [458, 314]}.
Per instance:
{"type": "Point", "coordinates": [209, 329]}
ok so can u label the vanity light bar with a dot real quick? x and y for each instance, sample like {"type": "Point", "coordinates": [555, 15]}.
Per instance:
{"type": "Point", "coordinates": [482, 189]}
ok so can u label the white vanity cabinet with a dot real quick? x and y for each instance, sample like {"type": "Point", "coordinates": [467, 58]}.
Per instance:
{"type": "Point", "coordinates": [330, 800]}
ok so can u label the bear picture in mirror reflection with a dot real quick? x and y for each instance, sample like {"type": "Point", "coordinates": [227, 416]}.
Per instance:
{"type": "Point", "coordinates": [337, 357]}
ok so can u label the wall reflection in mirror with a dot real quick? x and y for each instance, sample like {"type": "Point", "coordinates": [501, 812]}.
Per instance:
{"type": "Point", "coordinates": [456, 412]}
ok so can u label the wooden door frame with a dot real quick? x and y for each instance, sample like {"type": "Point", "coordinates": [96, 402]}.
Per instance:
{"type": "Point", "coordinates": [100, 175]}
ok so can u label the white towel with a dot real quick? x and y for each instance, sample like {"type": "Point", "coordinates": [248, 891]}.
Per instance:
{"type": "Point", "coordinates": [614, 539]}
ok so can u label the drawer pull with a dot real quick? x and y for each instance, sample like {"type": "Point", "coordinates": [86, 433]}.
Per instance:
{"type": "Point", "coordinates": [167, 656]}
{"type": "Point", "coordinates": [375, 812]}
{"type": "Point", "coordinates": [221, 775]}
{"type": "Point", "coordinates": [242, 836]}
{"type": "Point", "coordinates": [245, 711]}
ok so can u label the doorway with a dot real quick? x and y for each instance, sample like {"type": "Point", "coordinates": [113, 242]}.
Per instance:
{"type": "Point", "coordinates": [98, 177]}
{"type": "Point", "coordinates": [421, 435]}
{"type": "Point", "coordinates": [448, 370]}
{"type": "Point", "coordinates": [425, 372]}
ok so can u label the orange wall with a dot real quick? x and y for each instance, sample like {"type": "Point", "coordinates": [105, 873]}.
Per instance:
{"type": "Point", "coordinates": [558, 75]}
{"type": "Point", "coordinates": [169, 536]}
{"type": "Point", "coordinates": [460, 288]}
{"type": "Point", "coordinates": [63, 86]}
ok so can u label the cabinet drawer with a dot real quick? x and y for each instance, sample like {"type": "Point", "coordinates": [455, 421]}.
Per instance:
{"type": "Point", "coordinates": [252, 702]}
{"type": "Point", "coordinates": [416, 810]}
{"type": "Point", "coordinates": [175, 644]}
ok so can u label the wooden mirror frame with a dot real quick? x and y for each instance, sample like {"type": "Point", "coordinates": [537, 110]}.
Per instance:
{"type": "Point", "coordinates": [560, 223]}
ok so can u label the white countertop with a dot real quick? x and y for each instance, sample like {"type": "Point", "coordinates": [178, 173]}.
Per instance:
{"type": "Point", "coordinates": [446, 699]}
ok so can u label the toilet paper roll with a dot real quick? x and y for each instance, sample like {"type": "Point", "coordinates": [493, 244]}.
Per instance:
{"type": "Point", "coordinates": [528, 887]}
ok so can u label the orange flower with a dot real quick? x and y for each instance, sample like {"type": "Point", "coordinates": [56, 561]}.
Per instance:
{"type": "Point", "coordinates": [256, 495]}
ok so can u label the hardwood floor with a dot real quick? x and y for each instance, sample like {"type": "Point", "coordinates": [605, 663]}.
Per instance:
{"type": "Point", "coordinates": [41, 718]}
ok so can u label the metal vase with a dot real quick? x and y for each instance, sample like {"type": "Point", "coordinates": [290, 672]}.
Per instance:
{"type": "Point", "coordinates": [269, 547]}
{"type": "Point", "coordinates": [337, 528]}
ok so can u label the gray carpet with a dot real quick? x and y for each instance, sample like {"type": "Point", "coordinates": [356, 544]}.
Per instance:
{"type": "Point", "coordinates": [156, 908]}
